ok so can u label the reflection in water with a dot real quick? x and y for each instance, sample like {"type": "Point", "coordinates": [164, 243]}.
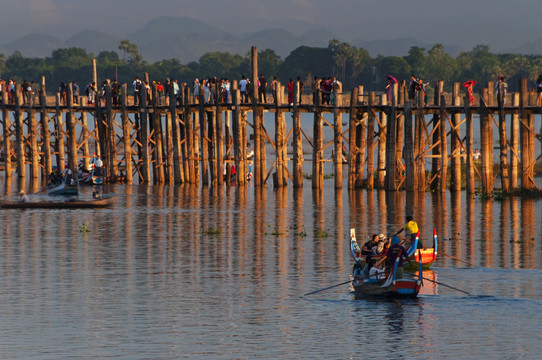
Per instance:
{"type": "Point", "coordinates": [487, 233]}
{"type": "Point", "coordinates": [170, 266]}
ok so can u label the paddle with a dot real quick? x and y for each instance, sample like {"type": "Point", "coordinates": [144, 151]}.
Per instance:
{"type": "Point", "coordinates": [439, 283]}
{"type": "Point", "coordinates": [327, 288]}
{"type": "Point", "coordinates": [450, 256]}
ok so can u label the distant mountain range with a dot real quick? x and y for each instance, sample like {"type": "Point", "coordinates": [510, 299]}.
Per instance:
{"type": "Point", "coordinates": [187, 39]}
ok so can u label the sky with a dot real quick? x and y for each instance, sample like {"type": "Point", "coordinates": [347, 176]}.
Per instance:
{"type": "Point", "coordinates": [501, 24]}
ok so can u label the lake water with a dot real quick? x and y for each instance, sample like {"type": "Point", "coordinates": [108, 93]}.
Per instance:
{"type": "Point", "coordinates": [174, 272]}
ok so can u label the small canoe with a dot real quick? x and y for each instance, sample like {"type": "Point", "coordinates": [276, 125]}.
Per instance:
{"type": "Point", "coordinates": [104, 201]}
{"type": "Point", "coordinates": [67, 186]}
{"type": "Point", "coordinates": [427, 255]}
{"type": "Point", "coordinates": [389, 287]}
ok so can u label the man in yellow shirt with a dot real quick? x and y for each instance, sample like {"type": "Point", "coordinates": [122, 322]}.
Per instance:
{"type": "Point", "coordinates": [411, 229]}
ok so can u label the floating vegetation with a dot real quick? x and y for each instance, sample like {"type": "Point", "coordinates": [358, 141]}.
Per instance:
{"type": "Point", "coordinates": [499, 195]}
{"type": "Point", "coordinates": [212, 231]}
{"type": "Point", "coordinates": [85, 228]}
{"type": "Point", "coordinates": [275, 232]}
{"type": "Point", "coordinates": [298, 232]}
{"type": "Point", "coordinates": [320, 233]}
{"type": "Point", "coordinates": [326, 176]}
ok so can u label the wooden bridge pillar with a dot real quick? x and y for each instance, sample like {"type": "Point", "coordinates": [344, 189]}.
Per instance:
{"type": "Point", "coordinates": [486, 143]}
{"type": "Point", "coordinates": [298, 143]}
{"type": "Point", "coordinates": [6, 125]}
{"type": "Point", "coordinates": [281, 178]}
{"type": "Point", "coordinates": [443, 146]}
{"type": "Point", "coordinates": [175, 157]}
{"type": "Point", "coordinates": [360, 144]}
{"type": "Point", "coordinates": [514, 135]}
{"type": "Point", "coordinates": [33, 135]}
{"type": "Point", "coordinates": [144, 123]}
{"type": "Point", "coordinates": [409, 149]}
{"type": "Point", "coordinates": [204, 163]}
{"type": "Point", "coordinates": [436, 154]}
{"type": "Point", "coordinates": [19, 134]}
{"type": "Point", "coordinates": [419, 144]}
{"type": "Point", "coordinates": [391, 137]}
{"type": "Point", "coordinates": [469, 151]}
{"type": "Point", "coordinates": [338, 140]}
{"type": "Point", "coordinates": [70, 129]}
{"type": "Point", "coordinates": [455, 140]}
{"type": "Point", "coordinates": [126, 134]}
{"type": "Point", "coordinates": [45, 136]}
{"type": "Point", "coordinates": [240, 141]}
{"type": "Point", "coordinates": [219, 141]}
{"type": "Point", "coordinates": [527, 139]}
{"type": "Point", "coordinates": [370, 141]}
{"type": "Point", "coordinates": [318, 147]}
{"type": "Point", "coordinates": [381, 184]}
{"type": "Point", "coordinates": [353, 148]}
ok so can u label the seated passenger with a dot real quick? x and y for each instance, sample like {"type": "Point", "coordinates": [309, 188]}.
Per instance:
{"type": "Point", "coordinates": [367, 268]}
{"type": "Point", "coordinates": [376, 273]}
{"type": "Point", "coordinates": [367, 248]}
{"type": "Point", "coordinates": [24, 197]}
{"type": "Point", "coordinates": [379, 248]}
{"type": "Point", "coordinates": [371, 271]}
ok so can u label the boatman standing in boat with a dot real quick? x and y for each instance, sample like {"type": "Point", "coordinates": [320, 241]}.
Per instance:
{"type": "Point", "coordinates": [396, 249]}
{"type": "Point", "coordinates": [411, 230]}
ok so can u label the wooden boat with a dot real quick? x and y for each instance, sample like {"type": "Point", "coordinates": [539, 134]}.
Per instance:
{"type": "Point", "coordinates": [93, 177]}
{"type": "Point", "coordinates": [67, 186]}
{"type": "Point", "coordinates": [428, 255]}
{"type": "Point", "coordinates": [388, 287]}
{"type": "Point", "coordinates": [71, 203]}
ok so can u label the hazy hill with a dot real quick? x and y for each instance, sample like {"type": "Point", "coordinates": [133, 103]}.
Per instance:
{"type": "Point", "coordinates": [530, 48]}
{"type": "Point", "coordinates": [186, 48]}
{"type": "Point", "coordinates": [187, 39]}
{"type": "Point", "coordinates": [280, 40]}
{"type": "Point", "coordinates": [318, 37]}
{"type": "Point", "coordinates": [399, 47]}
{"type": "Point", "coordinates": [35, 45]}
{"type": "Point", "coordinates": [94, 41]}
{"type": "Point", "coordinates": [167, 26]}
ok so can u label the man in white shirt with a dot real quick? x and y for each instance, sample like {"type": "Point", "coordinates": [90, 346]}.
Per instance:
{"type": "Point", "coordinates": [243, 84]}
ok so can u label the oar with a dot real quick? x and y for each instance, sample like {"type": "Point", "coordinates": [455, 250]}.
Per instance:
{"type": "Point", "coordinates": [439, 283]}
{"type": "Point", "coordinates": [327, 288]}
{"type": "Point", "coordinates": [450, 256]}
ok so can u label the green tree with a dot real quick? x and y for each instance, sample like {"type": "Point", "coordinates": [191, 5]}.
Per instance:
{"type": "Point", "coordinates": [349, 61]}
{"type": "Point", "coordinates": [2, 64]}
{"type": "Point", "coordinates": [108, 58]}
{"type": "Point", "coordinates": [135, 56]}
{"type": "Point", "coordinates": [124, 46]}
{"type": "Point", "coordinates": [305, 61]}
{"type": "Point", "coordinates": [439, 65]}
{"type": "Point", "coordinates": [268, 62]}
{"type": "Point", "coordinates": [416, 58]}
{"type": "Point", "coordinates": [392, 65]}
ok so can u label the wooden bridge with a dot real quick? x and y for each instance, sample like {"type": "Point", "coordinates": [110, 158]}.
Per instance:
{"type": "Point", "coordinates": [185, 140]}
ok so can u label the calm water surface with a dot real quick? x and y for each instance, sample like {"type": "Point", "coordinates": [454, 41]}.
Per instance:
{"type": "Point", "coordinates": [185, 273]}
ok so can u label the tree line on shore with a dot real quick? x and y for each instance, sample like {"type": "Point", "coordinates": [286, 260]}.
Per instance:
{"type": "Point", "coordinates": [351, 65]}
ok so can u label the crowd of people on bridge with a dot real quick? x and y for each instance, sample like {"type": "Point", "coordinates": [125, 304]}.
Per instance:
{"type": "Point", "coordinates": [213, 90]}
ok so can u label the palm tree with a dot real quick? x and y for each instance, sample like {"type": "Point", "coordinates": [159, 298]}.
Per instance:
{"type": "Point", "coordinates": [124, 46]}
